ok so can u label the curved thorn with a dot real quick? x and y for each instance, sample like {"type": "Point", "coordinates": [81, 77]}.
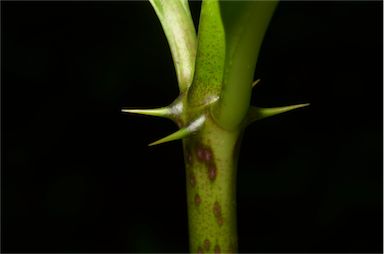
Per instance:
{"type": "Point", "coordinates": [182, 133]}
{"type": "Point", "coordinates": [160, 112]}
{"type": "Point", "coordinates": [257, 113]}
{"type": "Point", "coordinates": [255, 82]}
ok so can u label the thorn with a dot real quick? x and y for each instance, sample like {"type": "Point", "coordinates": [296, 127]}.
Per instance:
{"type": "Point", "coordinates": [255, 82]}
{"type": "Point", "coordinates": [160, 112]}
{"type": "Point", "coordinates": [182, 133]}
{"type": "Point", "coordinates": [257, 113]}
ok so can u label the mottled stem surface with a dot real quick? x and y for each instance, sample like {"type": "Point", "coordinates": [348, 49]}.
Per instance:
{"type": "Point", "coordinates": [215, 73]}
{"type": "Point", "coordinates": [211, 158]}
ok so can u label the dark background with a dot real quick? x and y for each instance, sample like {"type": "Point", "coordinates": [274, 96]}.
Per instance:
{"type": "Point", "coordinates": [77, 175]}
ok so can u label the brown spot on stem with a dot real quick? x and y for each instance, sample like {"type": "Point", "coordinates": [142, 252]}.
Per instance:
{"type": "Point", "coordinates": [217, 213]}
{"type": "Point", "coordinates": [199, 250]}
{"type": "Point", "coordinates": [217, 249]}
{"type": "Point", "coordinates": [212, 172]}
{"type": "Point", "coordinates": [208, 155]}
{"type": "Point", "coordinates": [200, 153]}
{"type": "Point", "coordinates": [197, 199]}
{"type": "Point", "coordinates": [217, 209]}
{"type": "Point", "coordinates": [204, 153]}
{"type": "Point", "coordinates": [207, 244]}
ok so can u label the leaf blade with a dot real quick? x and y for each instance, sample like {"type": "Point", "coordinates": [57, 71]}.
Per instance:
{"type": "Point", "coordinates": [176, 20]}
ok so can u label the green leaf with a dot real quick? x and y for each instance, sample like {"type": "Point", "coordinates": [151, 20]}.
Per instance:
{"type": "Point", "coordinates": [176, 20]}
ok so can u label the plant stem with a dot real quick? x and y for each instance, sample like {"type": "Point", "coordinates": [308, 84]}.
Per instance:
{"type": "Point", "coordinates": [215, 73]}
{"type": "Point", "coordinates": [245, 23]}
{"type": "Point", "coordinates": [211, 158]}
{"type": "Point", "coordinates": [210, 56]}
{"type": "Point", "coordinates": [230, 36]}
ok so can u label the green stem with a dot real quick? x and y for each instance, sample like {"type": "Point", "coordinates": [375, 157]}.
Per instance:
{"type": "Point", "coordinates": [229, 40]}
{"type": "Point", "coordinates": [245, 23]}
{"type": "Point", "coordinates": [213, 111]}
{"type": "Point", "coordinates": [210, 56]}
{"type": "Point", "coordinates": [210, 158]}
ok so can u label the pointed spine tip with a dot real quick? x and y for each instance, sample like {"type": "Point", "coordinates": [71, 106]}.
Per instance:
{"type": "Point", "coordinates": [292, 107]}
{"type": "Point", "coordinates": [258, 113]}
{"type": "Point", "coordinates": [174, 136]}
{"type": "Point", "coordinates": [255, 82]}
{"type": "Point", "coordinates": [160, 112]}
{"type": "Point", "coordinates": [302, 105]}
{"type": "Point", "coordinates": [279, 110]}
{"type": "Point", "coordinates": [183, 132]}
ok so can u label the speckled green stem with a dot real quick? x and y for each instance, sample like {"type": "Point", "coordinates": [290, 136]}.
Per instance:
{"type": "Point", "coordinates": [230, 36]}
{"type": "Point", "coordinates": [215, 73]}
{"type": "Point", "coordinates": [211, 158]}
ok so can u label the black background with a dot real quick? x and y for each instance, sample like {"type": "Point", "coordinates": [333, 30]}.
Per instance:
{"type": "Point", "coordinates": [77, 175]}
